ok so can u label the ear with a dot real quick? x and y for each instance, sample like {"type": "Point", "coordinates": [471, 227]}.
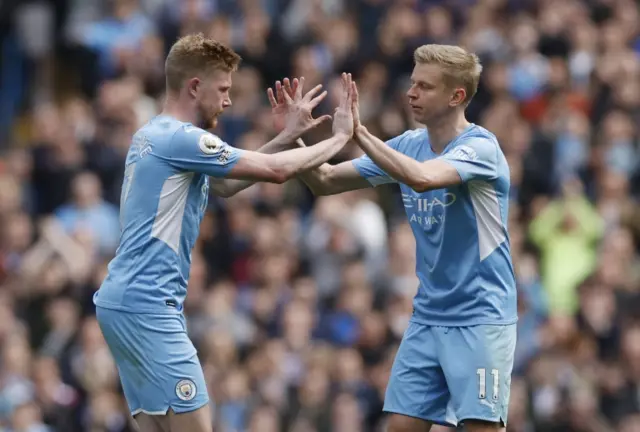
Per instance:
{"type": "Point", "coordinates": [458, 97]}
{"type": "Point", "coordinates": [193, 85]}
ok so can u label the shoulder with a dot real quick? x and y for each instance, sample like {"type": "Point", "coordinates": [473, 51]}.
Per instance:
{"type": "Point", "coordinates": [407, 138]}
{"type": "Point", "coordinates": [484, 138]}
{"type": "Point", "coordinates": [207, 142]}
{"type": "Point", "coordinates": [478, 143]}
{"type": "Point", "coordinates": [489, 148]}
{"type": "Point", "coordinates": [191, 139]}
{"type": "Point", "coordinates": [158, 131]}
{"type": "Point", "coordinates": [186, 132]}
{"type": "Point", "coordinates": [415, 134]}
{"type": "Point", "coordinates": [479, 131]}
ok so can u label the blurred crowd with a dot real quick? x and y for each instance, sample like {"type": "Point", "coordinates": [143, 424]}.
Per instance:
{"type": "Point", "coordinates": [296, 303]}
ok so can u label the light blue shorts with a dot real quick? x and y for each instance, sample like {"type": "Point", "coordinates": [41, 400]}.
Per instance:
{"type": "Point", "coordinates": [157, 362]}
{"type": "Point", "coordinates": [447, 375]}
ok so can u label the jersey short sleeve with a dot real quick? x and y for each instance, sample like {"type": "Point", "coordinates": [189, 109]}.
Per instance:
{"type": "Point", "coordinates": [368, 169]}
{"type": "Point", "coordinates": [475, 159]}
{"type": "Point", "coordinates": [194, 149]}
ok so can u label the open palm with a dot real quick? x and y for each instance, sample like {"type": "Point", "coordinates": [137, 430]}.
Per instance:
{"type": "Point", "coordinates": [278, 107]}
{"type": "Point", "coordinates": [293, 111]}
{"type": "Point", "coordinates": [343, 119]}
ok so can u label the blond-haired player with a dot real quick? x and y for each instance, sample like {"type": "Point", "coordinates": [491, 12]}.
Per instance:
{"type": "Point", "coordinates": [455, 361]}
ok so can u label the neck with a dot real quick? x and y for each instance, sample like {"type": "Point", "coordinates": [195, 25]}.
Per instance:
{"type": "Point", "coordinates": [179, 110]}
{"type": "Point", "coordinates": [442, 131]}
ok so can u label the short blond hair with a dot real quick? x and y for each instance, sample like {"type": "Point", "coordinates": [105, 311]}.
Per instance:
{"type": "Point", "coordinates": [460, 67]}
{"type": "Point", "coordinates": [194, 55]}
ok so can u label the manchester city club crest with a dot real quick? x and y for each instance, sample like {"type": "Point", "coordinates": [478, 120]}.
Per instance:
{"type": "Point", "coordinates": [186, 390]}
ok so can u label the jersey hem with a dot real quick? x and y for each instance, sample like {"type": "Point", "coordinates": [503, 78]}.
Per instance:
{"type": "Point", "coordinates": [113, 306]}
{"type": "Point", "coordinates": [463, 323]}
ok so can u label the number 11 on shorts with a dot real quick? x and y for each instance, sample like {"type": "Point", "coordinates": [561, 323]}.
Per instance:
{"type": "Point", "coordinates": [482, 383]}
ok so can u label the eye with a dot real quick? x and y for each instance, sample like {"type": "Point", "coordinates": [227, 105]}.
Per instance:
{"type": "Point", "coordinates": [421, 85]}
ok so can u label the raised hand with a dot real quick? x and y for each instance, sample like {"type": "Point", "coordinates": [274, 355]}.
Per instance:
{"type": "Point", "coordinates": [343, 118]}
{"type": "Point", "coordinates": [279, 108]}
{"type": "Point", "coordinates": [292, 111]}
{"type": "Point", "coordinates": [355, 105]}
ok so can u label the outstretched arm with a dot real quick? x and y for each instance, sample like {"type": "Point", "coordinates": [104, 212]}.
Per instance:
{"type": "Point", "coordinates": [226, 187]}
{"type": "Point", "coordinates": [419, 176]}
{"type": "Point", "coordinates": [278, 168]}
{"type": "Point", "coordinates": [476, 158]}
{"type": "Point", "coordinates": [195, 150]}
{"type": "Point", "coordinates": [359, 173]}
{"type": "Point", "coordinates": [333, 179]}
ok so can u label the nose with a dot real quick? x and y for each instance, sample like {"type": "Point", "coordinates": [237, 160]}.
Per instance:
{"type": "Point", "coordinates": [227, 103]}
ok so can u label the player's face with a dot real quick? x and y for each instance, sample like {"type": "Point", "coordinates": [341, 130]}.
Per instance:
{"type": "Point", "coordinates": [430, 98]}
{"type": "Point", "coordinates": [212, 98]}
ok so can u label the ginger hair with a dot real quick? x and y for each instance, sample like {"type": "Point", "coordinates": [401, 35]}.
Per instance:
{"type": "Point", "coordinates": [195, 55]}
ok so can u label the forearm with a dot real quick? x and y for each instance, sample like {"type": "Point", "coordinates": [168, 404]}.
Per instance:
{"type": "Point", "coordinates": [294, 162]}
{"type": "Point", "coordinates": [400, 167]}
{"type": "Point", "coordinates": [316, 179]}
{"type": "Point", "coordinates": [226, 187]}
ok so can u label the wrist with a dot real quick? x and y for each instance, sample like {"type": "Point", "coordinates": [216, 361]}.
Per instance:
{"type": "Point", "coordinates": [286, 137]}
{"type": "Point", "coordinates": [342, 136]}
{"type": "Point", "coordinates": [360, 130]}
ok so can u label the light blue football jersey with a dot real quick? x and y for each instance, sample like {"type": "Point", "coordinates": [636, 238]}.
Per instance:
{"type": "Point", "coordinates": [463, 255]}
{"type": "Point", "coordinates": [164, 197]}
